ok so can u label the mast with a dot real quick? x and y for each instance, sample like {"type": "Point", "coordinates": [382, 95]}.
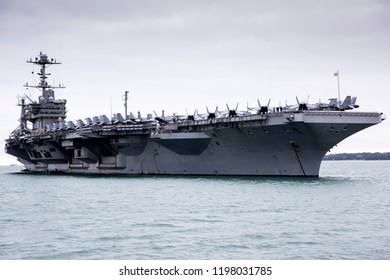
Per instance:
{"type": "Point", "coordinates": [23, 121]}
{"type": "Point", "coordinates": [125, 98]}
{"type": "Point", "coordinates": [43, 62]}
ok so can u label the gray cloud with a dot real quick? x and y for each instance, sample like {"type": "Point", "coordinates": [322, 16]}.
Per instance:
{"type": "Point", "coordinates": [189, 54]}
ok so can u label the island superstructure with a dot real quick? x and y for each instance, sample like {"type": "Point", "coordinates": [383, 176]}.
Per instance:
{"type": "Point", "coordinates": [282, 141]}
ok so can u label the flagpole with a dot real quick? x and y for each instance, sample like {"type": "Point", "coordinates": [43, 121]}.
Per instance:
{"type": "Point", "coordinates": [338, 83]}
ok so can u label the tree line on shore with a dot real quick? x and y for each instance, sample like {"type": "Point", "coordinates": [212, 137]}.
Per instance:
{"type": "Point", "coordinates": [358, 156]}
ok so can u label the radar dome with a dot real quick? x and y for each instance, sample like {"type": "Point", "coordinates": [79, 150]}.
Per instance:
{"type": "Point", "coordinates": [43, 56]}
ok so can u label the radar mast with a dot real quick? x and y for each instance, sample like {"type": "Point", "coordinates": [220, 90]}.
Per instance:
{"type": "Point", "coordinates": [47, 110]}
{"type": "Point", "coordinates": [44, 62]}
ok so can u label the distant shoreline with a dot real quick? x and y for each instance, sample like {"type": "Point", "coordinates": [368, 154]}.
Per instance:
{"type": "Point", "coordinates": [358, 156]}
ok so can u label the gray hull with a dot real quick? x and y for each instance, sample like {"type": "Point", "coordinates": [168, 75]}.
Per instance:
{"type": "Point", "coordinates": [274, 144]}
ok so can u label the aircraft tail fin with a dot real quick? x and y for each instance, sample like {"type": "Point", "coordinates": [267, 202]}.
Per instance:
{"type": "Point", "coordinates": [347, 101]}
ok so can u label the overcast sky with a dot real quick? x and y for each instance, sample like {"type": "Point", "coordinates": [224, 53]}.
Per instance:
{"type": "Point", "coordinates": [177, 55]}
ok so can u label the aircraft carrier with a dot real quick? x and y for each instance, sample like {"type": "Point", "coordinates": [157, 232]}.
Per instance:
{"type": "Point", "coordinates": [281, 141]}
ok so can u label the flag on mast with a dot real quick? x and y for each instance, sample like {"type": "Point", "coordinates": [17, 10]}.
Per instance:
{"type": "Point", "coordinates": [336, 74]}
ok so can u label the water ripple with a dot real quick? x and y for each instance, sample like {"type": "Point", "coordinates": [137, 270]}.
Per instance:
{"type": "Point", "coordinates": [341, 215]}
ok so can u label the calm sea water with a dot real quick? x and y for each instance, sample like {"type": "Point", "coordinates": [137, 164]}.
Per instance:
{"type": "Point", "coordinates": [344, 214]}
